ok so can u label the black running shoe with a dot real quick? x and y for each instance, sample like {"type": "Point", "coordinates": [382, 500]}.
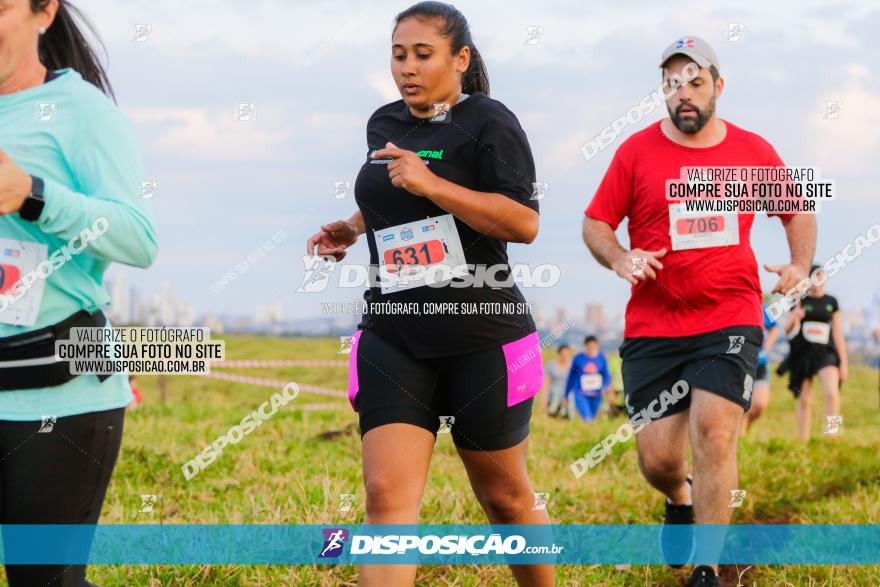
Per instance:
{"type": "Point", "coordinates": [677, 533]}
{"type": "Point", "coordinates": [703, 576]}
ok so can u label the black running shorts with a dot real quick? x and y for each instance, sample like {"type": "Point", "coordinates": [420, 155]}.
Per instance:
{"type": "Point", "coordinates": [488, 393]}
{"type": "Point", "coordinates": [722, 362]}
{"type": "Point", "coordinates": [814, 358]}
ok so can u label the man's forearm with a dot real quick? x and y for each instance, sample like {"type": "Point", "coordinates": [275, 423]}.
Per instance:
{"type": "Point", "coordinates": [801, 234]}
{"type": "Point", "coordinates": [600, 239]}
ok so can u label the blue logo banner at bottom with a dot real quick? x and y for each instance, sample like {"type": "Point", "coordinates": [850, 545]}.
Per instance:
{"type": "Point", "coordinates": [440, 544]}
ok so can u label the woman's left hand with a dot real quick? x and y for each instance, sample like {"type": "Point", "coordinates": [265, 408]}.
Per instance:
{"type": "Point", "coordinates": [407, 170]}
{"type": "Point", "coordinates": [15, 185]}
{"type": "Point", "coordinates": [844, 372]}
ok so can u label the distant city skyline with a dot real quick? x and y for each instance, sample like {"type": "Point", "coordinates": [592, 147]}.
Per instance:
{"type": "Point", "coordinates": [163, 307]}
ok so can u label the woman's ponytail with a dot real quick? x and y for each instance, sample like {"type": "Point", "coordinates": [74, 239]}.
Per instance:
{"type": "Point", "coordinates": [475, 79]}
{"type": "Point", "coordinates": [64, 45]}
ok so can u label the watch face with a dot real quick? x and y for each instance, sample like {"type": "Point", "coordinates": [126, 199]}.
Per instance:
{"type": "Point", "coordinates": [32, 208]}
{"type": "Point", "coordinates": [38, 187]}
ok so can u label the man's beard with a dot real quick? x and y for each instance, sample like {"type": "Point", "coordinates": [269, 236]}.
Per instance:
{"type": "Point", "coordinates": [692, 125]}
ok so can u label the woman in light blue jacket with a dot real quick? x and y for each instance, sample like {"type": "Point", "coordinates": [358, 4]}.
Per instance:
{"type": "Point", "coordinates": [70, 184]}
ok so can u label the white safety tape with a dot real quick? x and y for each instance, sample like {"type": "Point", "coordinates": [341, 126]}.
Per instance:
{"type": "Point", "coordinates": [252, 364]}
{"type": "Point", "coordinates": [275, 383]}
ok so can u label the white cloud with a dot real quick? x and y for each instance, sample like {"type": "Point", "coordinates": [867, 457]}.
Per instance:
{"type": "Point", "coordinates": [335, 121]}
{"type": "Point", "coordinates": [198, 133]}
{"type": "Point", "coordinates": [851, 140]}
{"type": "Point", "coordinates": [382, 83]}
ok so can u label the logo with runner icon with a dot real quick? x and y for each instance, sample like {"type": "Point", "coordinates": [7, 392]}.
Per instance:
{"type": "Point", "coordinates": [148, 188]}
{"type": "Point", "coordinates": [539, 188]}
{"type": "Point", "coordinates": [533, 35]}
{"type": "Point", "coordinates": [833, 424]}
{"type": "Point", "coordinates": [317, 273]}
{"type": "Point", "coordinates": [736, 344]}
{"type": "Point", "coordinates": [345, 343]}
{"type": "Point", "coordinates": [736, 497]}
{"type": "Point", "coordinates": [334, 540]}
{"type": "Point", "coordinates": [442, 113]}
{"type": "Point", "coordinates": [638, 266]}
{"type": "Point", "coordinates": [46, 112]}
{"type": "Point", "coordinates": [541, 500]}
{"type": "Point", "coordinates": [147, 503]}
{"type": "Point", "coordinates": [47, 424]}
{"type": "Point", "coordinates": [346, 501]}
{"type": "Point", "coordinates": [446, 423]}
{"type": "Point", "coordinates": [341, 189]}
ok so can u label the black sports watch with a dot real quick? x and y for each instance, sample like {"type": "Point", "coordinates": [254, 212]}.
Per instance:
{"type": "Point", "coordinates": [33, 204]}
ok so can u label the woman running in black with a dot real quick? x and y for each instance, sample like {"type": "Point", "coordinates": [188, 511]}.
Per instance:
{"type": "Point", "coordinates": [447, 183]}
{"type": "Point", "coordinates": [818, 348]}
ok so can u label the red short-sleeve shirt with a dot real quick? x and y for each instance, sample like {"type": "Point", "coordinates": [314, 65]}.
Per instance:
{"type": "Point", "coordinates": [698, 290]}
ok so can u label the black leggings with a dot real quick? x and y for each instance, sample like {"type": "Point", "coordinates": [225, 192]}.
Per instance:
{"type": "Point", "coordinates": [56, 477]}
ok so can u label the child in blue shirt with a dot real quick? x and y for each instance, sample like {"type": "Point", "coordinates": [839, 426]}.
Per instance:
{"type": "Point", "coordinates": [588, 378]}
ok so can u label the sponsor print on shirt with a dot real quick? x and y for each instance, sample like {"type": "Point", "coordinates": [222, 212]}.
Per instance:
{"type": "Point", "coordinates": [425, 154]}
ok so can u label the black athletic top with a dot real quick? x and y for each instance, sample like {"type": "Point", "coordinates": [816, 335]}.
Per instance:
{"type": "Point", "coordinates": [482, 147]}
{"type": "Point", "coordinates": [816, 310]}
{"type": "Point", "coordinates": [806, 358]}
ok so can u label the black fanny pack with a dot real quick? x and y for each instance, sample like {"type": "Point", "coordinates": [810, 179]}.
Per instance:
{"type": "Point", "coordinates": [27, 361]}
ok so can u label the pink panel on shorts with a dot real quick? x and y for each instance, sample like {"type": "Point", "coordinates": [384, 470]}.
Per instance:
{"type": "Point", "coordinates": [525, 368]}
{"type": "Point", "coordinates": [353, 386]}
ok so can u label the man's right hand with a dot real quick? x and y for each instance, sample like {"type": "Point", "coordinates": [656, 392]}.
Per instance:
{"type": "Point", "coordinates": [638, 265]}
{"type": "Point", "coordinates": [333, 239]}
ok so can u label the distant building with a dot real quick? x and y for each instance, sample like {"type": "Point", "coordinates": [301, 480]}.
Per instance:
{"type": "Point", "coordinates": [561, 315]}
{"type": "Point", "coordinates": [594, 318]}
{"type": "Point", "coordinates": [120, 310]}
{"type": "Point", "coordinates": [268, 316]}
{"type": "Point", "coordinates": [538, 314]}
{"type": "Point", "coordinates": [212, 323]}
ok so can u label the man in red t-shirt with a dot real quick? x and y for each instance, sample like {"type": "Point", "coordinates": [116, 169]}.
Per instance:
{"type": "Point", "coordinates": [694, 321]}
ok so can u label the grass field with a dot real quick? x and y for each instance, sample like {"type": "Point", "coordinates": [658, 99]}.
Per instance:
{"type": "Point", "coordinates": [282, 474]}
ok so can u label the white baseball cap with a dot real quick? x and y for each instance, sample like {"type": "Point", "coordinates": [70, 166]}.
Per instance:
{"type": "Point", "coordinates": [693, 47]}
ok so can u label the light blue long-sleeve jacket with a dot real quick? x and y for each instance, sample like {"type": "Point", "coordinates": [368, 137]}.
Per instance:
{"type": "Point", "coordinates": [68, 133]}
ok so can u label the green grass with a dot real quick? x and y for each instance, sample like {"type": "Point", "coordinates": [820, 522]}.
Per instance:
{"type": "Point", "coordinates": [282, 474]}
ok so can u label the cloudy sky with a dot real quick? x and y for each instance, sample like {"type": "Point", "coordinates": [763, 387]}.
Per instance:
{"type": "Point", "coordinates": [316, 70]}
